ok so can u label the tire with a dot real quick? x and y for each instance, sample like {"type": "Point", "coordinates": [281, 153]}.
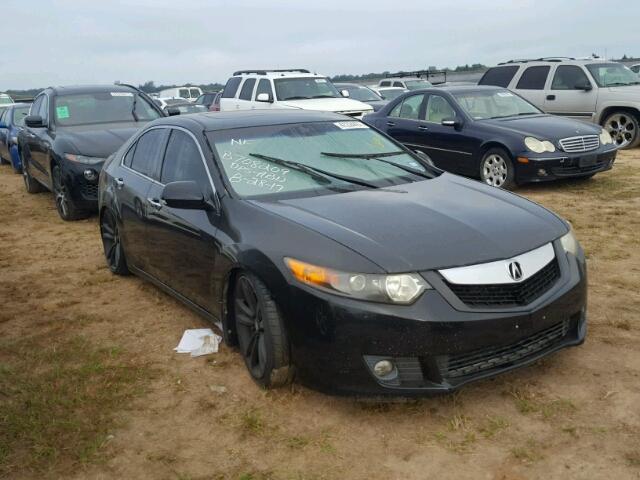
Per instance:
{"type": "Point", "coordinates": [496, 169]}
{"type": "Point", "coordinates": [261, 334]}
{"type": "Point", "coordinates": [624, 128]}
{"type": "Point", "coordinates": [30, 184]}
{"type": "Point", "coordinates": [3, 161]}
{"type": "Point", "coordinates": [65, 205]}
{"type": "Point", "coordinates": [112, 244]}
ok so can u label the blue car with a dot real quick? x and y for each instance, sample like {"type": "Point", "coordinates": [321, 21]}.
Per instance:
{"type": "Point", "coordinates": [493, 134]}
{"type": "Point", "coordinates": [11, 122]}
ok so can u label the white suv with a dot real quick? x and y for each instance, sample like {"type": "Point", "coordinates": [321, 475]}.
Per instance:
{"type": "Point", "coordinates": [606, 93]}
{"type": "Point", "coordinates": [260, 89]}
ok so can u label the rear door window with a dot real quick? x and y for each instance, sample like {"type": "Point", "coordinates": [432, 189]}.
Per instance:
{"type": "Point", "coordinates": [147, 158]}
{"type": "Point", "coordinates": [247, 89]}
{"type": "Point", "coordinates": [534, 78]}
{"type": "Point", "coordinates": [398, 84]}
{"type": "Point", "coordinates": [195, 93]}
{"type": "Point", "coordinates": [231, 87]}
{"type": "Point", "coordinates": [385, 83]}
{"type": "Point", "coordinates": [183, 93]}
{"type": "Point", "coordinates": [499, 76]}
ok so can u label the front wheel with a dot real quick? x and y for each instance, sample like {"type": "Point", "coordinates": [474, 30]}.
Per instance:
{"type": "Point", "coordinates": [65, 205]}
{"type": "Point", "coordinates": [261, 333]}
{"type": "Point", "coordinates": [496, 169]}
{"type": "Point", "coordinates": [623, 128]}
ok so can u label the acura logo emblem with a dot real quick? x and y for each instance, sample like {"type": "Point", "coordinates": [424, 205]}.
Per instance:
{"type": "Point", "coordinates": [515, 271]}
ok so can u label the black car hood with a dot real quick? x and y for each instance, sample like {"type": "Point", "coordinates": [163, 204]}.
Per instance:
{"type": "Point", "coordinates": [100, 140]}
{"type": "Point", "coordinates": [444, 222]}
{"type": "Point", "coordinates": [544, 127]}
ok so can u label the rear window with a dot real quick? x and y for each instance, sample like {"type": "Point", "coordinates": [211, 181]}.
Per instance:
{"type": "Point", "coordinates": [534, 78]}
{"type": "Point", "coordinates": [499, 76]}
{"type": "Point", "coordinates": [231, 87]}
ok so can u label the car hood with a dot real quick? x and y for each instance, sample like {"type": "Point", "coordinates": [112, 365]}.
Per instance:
{"type": "Point", "coordinates": [445, 222]}
{"type": "Point", "coordinates": [631, 92]}
{"type": "Point", "coordinates": [327, 105]}
{"type": "Point", "coordinates": [544, 127]}
{"type": "Point", "coordinates": [99, 140]}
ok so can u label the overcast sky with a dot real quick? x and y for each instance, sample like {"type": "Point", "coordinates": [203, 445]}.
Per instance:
{"type": "Point", "coordinates": [201, 41]}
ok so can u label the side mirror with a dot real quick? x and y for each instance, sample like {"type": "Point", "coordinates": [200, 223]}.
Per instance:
{"type": "Point", "coordinates": [187, 195]}
{"type": "Point", "coordinates": [586, 86]}
{"type": "Point", "coordinates": [424, 157]}
{"type": "Point", "coordinates": [451, 122]}
{"type": "Point", "coordinates": [172, 111]}
{"type": "Point", "coordinates": [264, 97]}
{"type": "Point", "coordinates": [34, 121]}
{"type": "Point", "coordinates": [345, 93]}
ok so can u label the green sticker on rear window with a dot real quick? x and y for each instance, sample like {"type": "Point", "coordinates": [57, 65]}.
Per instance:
{"type": "Point", "coordinates": [62, 112]}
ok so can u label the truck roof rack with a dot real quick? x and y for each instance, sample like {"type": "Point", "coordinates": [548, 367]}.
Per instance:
{"type": "Point", "coordinates": [420, 73]}
{"type": "Point", "coordinates": [265, 71]}
{"type": "Point", "coordinates": [541, 59]}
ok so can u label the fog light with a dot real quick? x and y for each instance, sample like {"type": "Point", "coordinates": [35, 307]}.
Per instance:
{"type": "Point", "coordinates": [542, 172]}
{"type": "Point", "coordinates": [90, 174]}
{"type": "Point", "coordinates": [383, 368]}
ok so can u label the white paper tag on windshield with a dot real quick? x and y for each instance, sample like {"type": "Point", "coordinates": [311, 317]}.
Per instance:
{"type": "Point", "coordinates": [505, 94]}
{"type": "Point", "coordinates": [321, 80]}
{"type": "Point", "coordinates": [121, 94]}
{"type": "Point", "coordinates": [349, 125]}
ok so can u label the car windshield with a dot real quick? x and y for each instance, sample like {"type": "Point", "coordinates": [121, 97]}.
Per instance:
{"type": "Point", "coordinates": [613, 75]}
{"type": "Point", "coordinates": [417, 84]}
{"type": "Point", "coordinates": [102, 107]}
{"type": "Point", "coordinates": [314, 165]}
{"type": "Point", "coordinates": [5, 99]}
{"type": "Point", "coordinates": [390, 94]}
{"type": "Point", "coordinates": [18, 115]}
{"type": "Point", "coordinates": [494, 104]}
{"type": "Point", "coordinates": [304, 88]}
{"type": "Point", "coordinates": [363, 94]}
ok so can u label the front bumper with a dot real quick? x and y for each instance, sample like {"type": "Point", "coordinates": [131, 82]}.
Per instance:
{"type": "Point", "coordinates": [557, 165]}
{"type": "Point", "coordinates": [83, 191]}
{"type": "Point", "coordinates": [435, 347]}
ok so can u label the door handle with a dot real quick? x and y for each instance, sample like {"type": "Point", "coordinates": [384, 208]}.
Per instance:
{"type": "Point", "coordinates": [155, 203]}
{"type": "Point", "coordinates": [118, 182]}
{"type": "Point", "coordinates": [551, 97]}
{"type": "Point", "coordinates": [391, 124]}
{"type": "Point", "coordinates": [423, 128]}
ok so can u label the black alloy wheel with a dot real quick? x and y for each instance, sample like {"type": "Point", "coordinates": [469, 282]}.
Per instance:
{"type": "Point", "coordinates": [261, 335]}
{"type": "Point", "coordinates": [113, 250]}
{"type": "Point", "coordinates": [64, 203]}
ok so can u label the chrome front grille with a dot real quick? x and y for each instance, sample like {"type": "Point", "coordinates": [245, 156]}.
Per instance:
{"type": "Point", "coordinates": [584, 143]}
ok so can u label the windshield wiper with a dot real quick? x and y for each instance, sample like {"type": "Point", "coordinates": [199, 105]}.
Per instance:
{"type": "Point", "coordinates": [296, 98]}
{"type": "Point", "coordinates": [380, 158]}
{"type": "Point", "coordinates": [317, 173]}
{"type": "Point", "coordinates": [324, 96]}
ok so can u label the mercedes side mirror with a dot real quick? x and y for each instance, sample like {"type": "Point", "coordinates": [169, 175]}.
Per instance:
{"type": "Point", "coordinates": [451, 122]}
{"type": "Point", "coordinates": [264, 97]}
{"type": "Point", "coordinates": [34, 121]}
{"type": "Point", "coordinates": [345, 93]}
{"type": "Point", "coordinates": [172, 111]}
{"type": "Point", "coordinates": [184, 194]}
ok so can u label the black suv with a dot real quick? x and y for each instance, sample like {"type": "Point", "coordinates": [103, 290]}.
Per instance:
{"type": "Point", "coordinates": [69, 133]}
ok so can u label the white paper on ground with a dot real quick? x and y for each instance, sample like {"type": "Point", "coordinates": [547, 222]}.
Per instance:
{"type": "Point", "coordinates": [198, 341]}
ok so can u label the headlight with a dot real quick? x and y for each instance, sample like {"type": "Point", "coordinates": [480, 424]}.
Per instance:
{"type": "Point", "coordinates": [538, 146]}
{"type": "Point", "coordinates": [402, 288]}
{"type": "Point", "coordinates": [570, 243]}
{"type": "Point", "coordinates": [605, 137]}
{"type": "Point", "coordinates": [83, 159]}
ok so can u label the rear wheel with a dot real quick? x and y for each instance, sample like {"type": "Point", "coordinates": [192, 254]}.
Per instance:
{"type": "Point", "coordinates": [261, 334]}
{"type": "Point", "coordinates": [65, 205]}
{"type": "Point", "coordinates": [496, 169]}
{"type": "Point", "coordinates": [31, 185]}
{"type": "Point", "coordinates": [623, 128]}
{"type": "Point", "coordinates": [113, 251]}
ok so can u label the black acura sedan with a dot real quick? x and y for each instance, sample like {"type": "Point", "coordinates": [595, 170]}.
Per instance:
{"type": "Point", "coordinates": [324, 248]}
{"type": "Point", "coordinates": [69, 133]}
{"type": "Point", "coordinates": [495, 135]}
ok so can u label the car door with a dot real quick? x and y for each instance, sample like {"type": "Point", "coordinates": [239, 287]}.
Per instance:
{"type": "Point", "coordinates": [531, 84]}
{"type": "Point", "coordinates": [571, 93]}
{"type": "Point", "coordinates": [183, 239]}
{"type": "Point", "coordinates": [5, 120]}
{"type": "Point", "coordinates": [450, 147]}
{"type": "Point", "coordinates": [39, 142]}
{"type": "Point", "coordinates": [403, 122]}
{"type": "Point", "coordinates": [135, 176]}
{"type": "Point", "coordinates": [246, 94]}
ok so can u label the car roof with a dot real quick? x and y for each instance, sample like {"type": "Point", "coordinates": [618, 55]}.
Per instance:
{"type": "Point", "coordinates": [283, 73]}
{"type": "Point", "coordinates": [79, 89]}
{"type": "Point", "coordinates": [345, 84]}
{"type": "Point", "coordinates": [210, 121]}
{"type": "Point", "coordinates": [554, 60]}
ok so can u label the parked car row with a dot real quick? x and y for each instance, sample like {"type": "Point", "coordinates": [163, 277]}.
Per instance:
{"type": "Point", "coordinates": [298, 220]}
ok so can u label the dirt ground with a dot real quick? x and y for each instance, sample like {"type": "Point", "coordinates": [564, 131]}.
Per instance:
{"type": "Point", "coordinates": [573, 415]}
